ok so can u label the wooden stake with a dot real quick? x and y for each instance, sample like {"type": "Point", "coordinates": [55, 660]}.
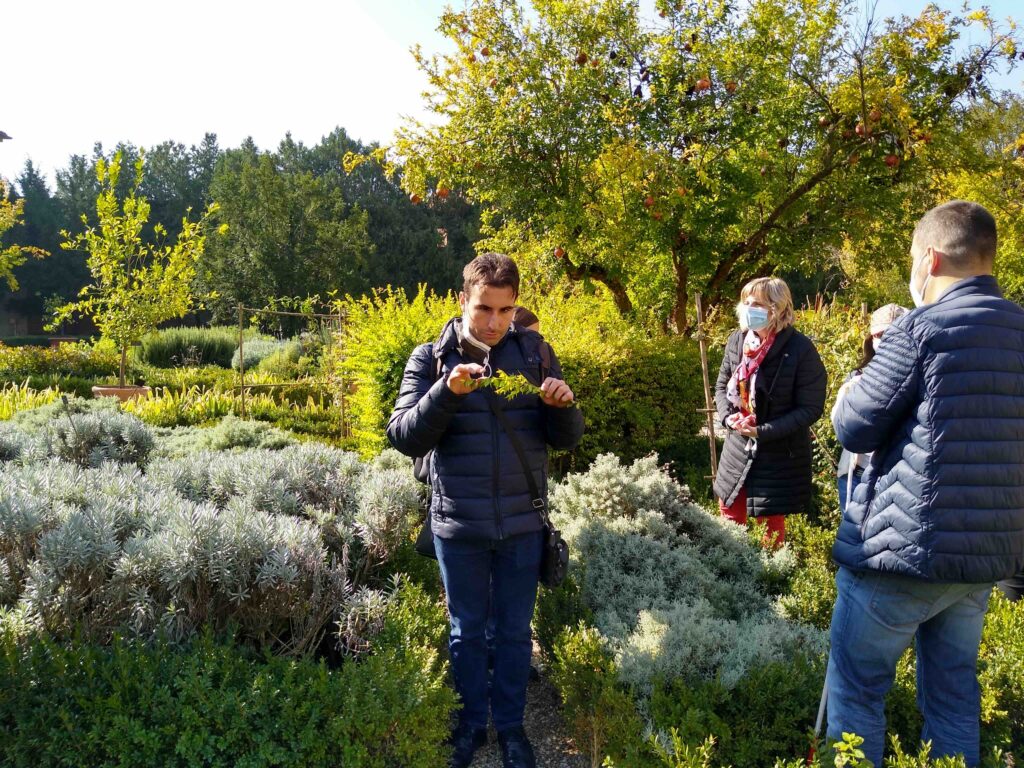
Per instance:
{"type": "Point", "coordinates": [708, 409]}
{"type": "Point", "coordinates": [241, 354]}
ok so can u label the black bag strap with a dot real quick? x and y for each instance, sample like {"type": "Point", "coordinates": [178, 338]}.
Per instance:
{"type": "Point", "coordinates": [539, 502]}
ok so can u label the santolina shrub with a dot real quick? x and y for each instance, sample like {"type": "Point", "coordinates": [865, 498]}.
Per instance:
{"type": "Point", "coordinates": [673, 596]}
{"type": "Point", "coordinates": [288, 545]}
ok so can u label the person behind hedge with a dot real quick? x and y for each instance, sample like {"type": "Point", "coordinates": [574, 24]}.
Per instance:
{"type": "Point", "coordinates": [851, 465]}
{"type": "Point", "coordinates": [939, 514]}
{"type": "Point", "coordinates": [770, 390]}
{"type": "Point", "coordinates": [486, 528]}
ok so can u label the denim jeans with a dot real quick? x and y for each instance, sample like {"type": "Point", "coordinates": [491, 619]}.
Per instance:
{"type": "Point", "coordinates": [876, 617]}
{"type": "Point", "coordinates": [473, 570]}
{"type": "Point", "coordinates": [1013, 587]}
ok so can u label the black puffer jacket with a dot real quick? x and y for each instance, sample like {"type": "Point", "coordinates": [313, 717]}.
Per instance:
{"type": "Point", "coordinates": [479, 488]}
{"type": "Point", "coordinates": [789, 397]}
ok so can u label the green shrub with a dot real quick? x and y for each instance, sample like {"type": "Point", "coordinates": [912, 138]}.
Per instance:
{"type": "Point", "coordinates": [213, 703]}
{"type": "Point", "coordinates": [205, 377]}
{"type": "Point", "coordinates": [191, 347]}
{"type": "Point", "coordinates": [638, 393]}
{"type": "Point", "coordinates": [81, 360]}
{"type": "Point", "coordinates": [286, 363]}
{"type": "Point", "coordinates": [256, 351]}
{"type": "Point", "coordinates": [379, 334]}
{"type": "Point", "coordinates": [598, 709]}
{"type": "Point", "coordinates": [25, 341]}
{"type": "Point", "coordinates": [769, 713]}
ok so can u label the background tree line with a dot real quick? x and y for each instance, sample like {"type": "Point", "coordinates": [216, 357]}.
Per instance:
{"type": "Point", "coordinates": [298, 225]}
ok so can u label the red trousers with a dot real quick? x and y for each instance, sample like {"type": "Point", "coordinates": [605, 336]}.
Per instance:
{"type": "Point", "coordinates": [737, 512]}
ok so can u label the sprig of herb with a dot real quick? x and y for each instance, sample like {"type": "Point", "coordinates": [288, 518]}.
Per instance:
{"type": "Point", "coordinates": [510, 385]}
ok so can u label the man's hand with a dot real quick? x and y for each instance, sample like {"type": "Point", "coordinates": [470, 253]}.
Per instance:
{"type": "Point", "coordinates": [556, 393]}
{"type": "Point", "coordinates": [461, 381]}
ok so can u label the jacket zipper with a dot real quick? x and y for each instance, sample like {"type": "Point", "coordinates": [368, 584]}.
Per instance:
{"type": "Point", "coordinates": [494, 474]}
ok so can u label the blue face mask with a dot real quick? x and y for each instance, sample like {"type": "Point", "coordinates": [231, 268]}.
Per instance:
{"type": "Point", "coordinates": [755, 318]}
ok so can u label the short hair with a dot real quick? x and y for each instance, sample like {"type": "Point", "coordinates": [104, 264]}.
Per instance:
{"type": "Point", "coordinates": [493, 269]}
{"type": "Point", "coordinates": [524, 317]}
{"type": "Point", "coordinates": [774, 292]}
{"type": "Point", "coordinates": [964, 231]}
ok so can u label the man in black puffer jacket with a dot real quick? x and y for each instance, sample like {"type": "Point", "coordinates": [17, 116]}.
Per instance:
{"type": "Point", "coordinates": [939, 514]}
{"type": "Point", "coordinates": [484, 517]}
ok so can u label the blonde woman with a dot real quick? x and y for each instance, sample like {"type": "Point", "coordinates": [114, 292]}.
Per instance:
{"type": "Point", "coordinates": [770, 390]}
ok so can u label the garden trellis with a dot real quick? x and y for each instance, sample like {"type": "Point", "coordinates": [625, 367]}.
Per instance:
{"type": "Point", "coordinates": [332, 322]}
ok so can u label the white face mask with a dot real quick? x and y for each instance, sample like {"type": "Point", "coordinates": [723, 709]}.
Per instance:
{"type": "Point", "coordinates": [918, 294]}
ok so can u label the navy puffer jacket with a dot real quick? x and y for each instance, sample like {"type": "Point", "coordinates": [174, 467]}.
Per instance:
{"type": "Point", "coordinates": [942, 407]}
{"type": "Point", "coordinates": [480, 490]}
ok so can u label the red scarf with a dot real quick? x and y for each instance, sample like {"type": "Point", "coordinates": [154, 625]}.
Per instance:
{"type": "Point", "coordinates": [750, 361]}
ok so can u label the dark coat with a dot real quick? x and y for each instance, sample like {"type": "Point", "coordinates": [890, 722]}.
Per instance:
{"type": "Point", "coordinates": [942, 407]}
{"type": "Point", "coordinates": [789, 396]}
{"type": "Point", "coordinates": [480, 490]}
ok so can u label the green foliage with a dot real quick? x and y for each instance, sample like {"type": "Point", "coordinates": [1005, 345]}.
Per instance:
{"type": "Point", "coordinates": [289, 232]}
{"type": "Point", "coordinates": [1002, 674]}
{"type": "Point", "coordinates": [191, 347]}
{"type": "Point", "coordinates": [598, 709]}
{"type": "Point", "coordinates": [699, 149]}
{"type": "Point", "coordinates": [13, 256]}
{"type": "Point", "coordinates": [213, 703]}
{"type": "Point", "coordinates": [14, 398]}
{"type": "Point", "coordinates": [637, 391]}
{"type": "Point", "coordinates": [259, 349]}
{"type": "Point", "coordinates": [767, 714]}
{"type": "Point", "coordinates": [79, 359]}
{"type": "Point", "coordinates": [380, 332]}
{"type": "Point", "coordinates": [136, 285]}
{"type": "Point", "coordinates": [678, 624]}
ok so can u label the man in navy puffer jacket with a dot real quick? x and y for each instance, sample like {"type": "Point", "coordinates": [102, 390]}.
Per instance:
{"type": "Point", "coordinates": [486, 527]}
{"type": "Point", "coordinates": [939, 515]}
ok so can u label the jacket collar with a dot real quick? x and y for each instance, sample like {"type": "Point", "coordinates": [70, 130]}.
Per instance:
{"type": "Point", "coordinates": [781, 339]}
{"type": "Point", "coordinates": [448, 340]}
{"type": "Point", "coordinates": [979, 285]}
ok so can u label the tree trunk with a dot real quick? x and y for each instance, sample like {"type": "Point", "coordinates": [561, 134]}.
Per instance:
{"type": "Point", "coordinates": [124, 361]}
{"type": "Point", "coordinates": [682, 272]}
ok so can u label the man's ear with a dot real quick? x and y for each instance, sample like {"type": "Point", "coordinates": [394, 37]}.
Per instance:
{"type": "Point", "coordinates": [938, 261]}
{"type": "Point", "coordinates": [462, 300]}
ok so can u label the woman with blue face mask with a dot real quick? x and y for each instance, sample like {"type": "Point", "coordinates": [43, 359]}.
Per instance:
{"type": "Point", "coordinates": [770, 390]}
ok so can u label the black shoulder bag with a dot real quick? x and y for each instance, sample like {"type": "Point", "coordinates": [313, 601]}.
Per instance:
{"type": "Point", "coordinates": [554, 562]}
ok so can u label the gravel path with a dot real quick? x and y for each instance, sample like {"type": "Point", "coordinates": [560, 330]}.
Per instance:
{"type": "Point", "coordinates": [547, 732]}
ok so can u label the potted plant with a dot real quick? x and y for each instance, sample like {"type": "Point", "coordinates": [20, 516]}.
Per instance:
{"type": "Point", "coordinates": [136, 284]}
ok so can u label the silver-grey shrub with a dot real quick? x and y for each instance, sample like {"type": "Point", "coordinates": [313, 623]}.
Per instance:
{"type": "Point", "coordinates": [674, 590]}
{"type": "Point", "coordinates": [283, 545]}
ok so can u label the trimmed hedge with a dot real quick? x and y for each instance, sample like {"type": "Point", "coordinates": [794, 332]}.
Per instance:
{"type": "Point", "coordinates": [81, 360]}
{"type": "Point", "coordinates": [192, 347]}
{"type": "Point", "coordinates": [216, 703]}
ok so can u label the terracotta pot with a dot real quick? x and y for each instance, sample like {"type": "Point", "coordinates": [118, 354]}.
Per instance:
{"type": "Point", "coordinates": [129, 392]}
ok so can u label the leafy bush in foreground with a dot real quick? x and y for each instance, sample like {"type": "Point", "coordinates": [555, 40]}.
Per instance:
{"type": "Point", "coordinates": [213, 703]}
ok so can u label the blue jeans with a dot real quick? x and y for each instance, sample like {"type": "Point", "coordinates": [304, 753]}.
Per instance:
{"type": "Point", "coordinates": [876, 617]}
{"type": "Point", "coordinates": [471, 571]}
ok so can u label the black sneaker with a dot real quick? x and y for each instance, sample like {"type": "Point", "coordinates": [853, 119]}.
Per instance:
{"type": "Point", "coordinates": [516, 751]}
{"type": "Point", "coordinates": [465, 741]}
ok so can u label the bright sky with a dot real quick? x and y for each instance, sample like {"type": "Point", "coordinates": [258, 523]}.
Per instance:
{"type": "Point", "coordinates": [150, 70]}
